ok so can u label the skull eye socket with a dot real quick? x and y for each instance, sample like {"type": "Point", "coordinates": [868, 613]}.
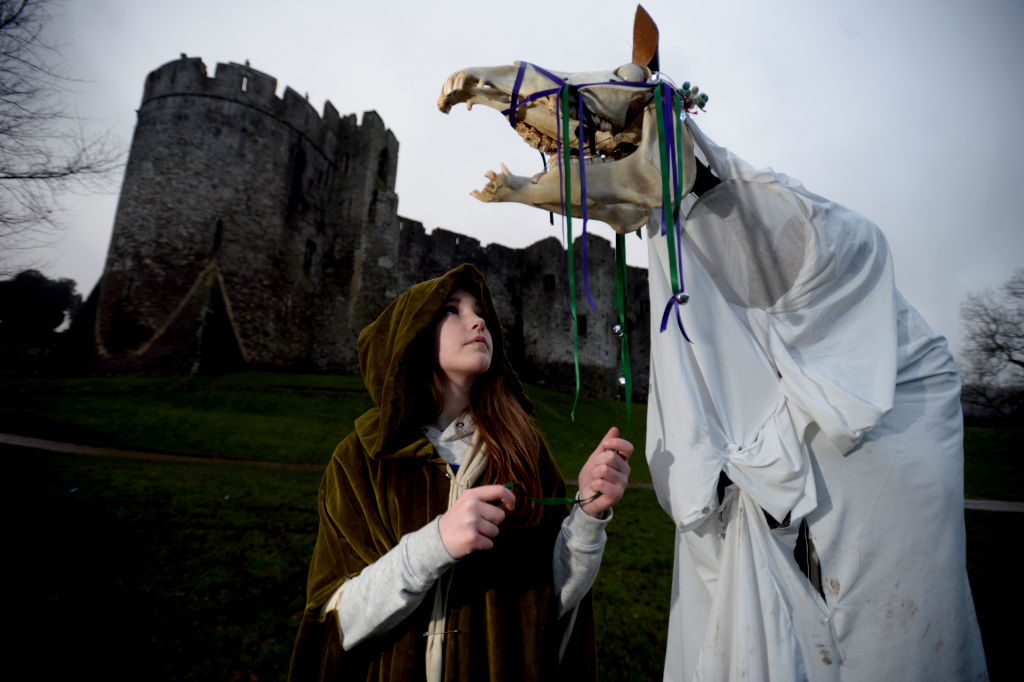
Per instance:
{"type": "Point", "coordinates": [623, 150]}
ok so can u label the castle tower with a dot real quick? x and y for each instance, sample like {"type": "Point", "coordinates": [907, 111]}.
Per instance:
{"type": "Point", "coordinates": [234, 233]}
{"type": "Point", "coordinates": [252, 231]}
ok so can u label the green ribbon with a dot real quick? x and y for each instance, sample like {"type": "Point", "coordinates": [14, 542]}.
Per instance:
{"type": "Point", "coordinates": [621, 274]}
{"type": "Point", "coordinates": [549, 501]}
{"type": "Point", "coordinates": [677, 116]}
{"type": "Point", "coordinates": [567, 175]}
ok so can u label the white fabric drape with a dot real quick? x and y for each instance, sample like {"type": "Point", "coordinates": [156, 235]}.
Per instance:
{"type": "Point", "coordinates": [823, 396]}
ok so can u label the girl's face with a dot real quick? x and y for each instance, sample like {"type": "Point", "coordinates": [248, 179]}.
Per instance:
{"type": "Point", "coordinates": [462, 339]}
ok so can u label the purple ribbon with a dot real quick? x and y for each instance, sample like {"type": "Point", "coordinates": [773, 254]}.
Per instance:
{"type": "Point", "coordinates": [675, 164]}
{"type": "Point", "coordinates": [558, 154]}
{"type": "Point", "coordinates": [515, 94]}
{"type": "Point", "coordinates": [581, 111]}
{"type": "Point", "coordinates": [550, 76]}
{"type": "Point", "coordinates": [515, 104]}
{"type": "Point", "coordinates": [673, 303]}
{"type": "Point", "coordinates": [669, 216]}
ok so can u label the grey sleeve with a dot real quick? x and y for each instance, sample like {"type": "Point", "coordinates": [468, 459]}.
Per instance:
{"type": "Point", "coordinates": [391, 588]}
{"type": "Point", "coordinates": [577, 556]}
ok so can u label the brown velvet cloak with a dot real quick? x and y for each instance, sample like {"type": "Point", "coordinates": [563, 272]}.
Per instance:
{"type": "Point", "coordinates": [385, 480]}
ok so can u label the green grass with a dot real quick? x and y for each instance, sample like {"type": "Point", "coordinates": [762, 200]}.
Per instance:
{"type": "Point", "coordinates": [197, 571]}
{"type": "Point", "coordinates": [167, 570]}
{"type": "Point", "coordinates": [992, 539]}
{"type": "Point", "coordinates": [161, 571]}
{"type": "Point", "coordinates": [634, 589]}
{"type": "Point", "coordinates": [257, 415]}
{"type": "Point", "coordinates": [276, 417]}
{"type": "Point", "coordinates": [994, 463]}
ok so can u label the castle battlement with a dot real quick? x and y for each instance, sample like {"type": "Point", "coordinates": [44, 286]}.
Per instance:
{"type": "Point", "coordinates": [253, 231]}
{"type": "Point", "coordinates": [245, 85]}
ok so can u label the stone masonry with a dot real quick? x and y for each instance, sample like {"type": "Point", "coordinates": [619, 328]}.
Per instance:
{"type": "Point", "coordinates": [253, 232]}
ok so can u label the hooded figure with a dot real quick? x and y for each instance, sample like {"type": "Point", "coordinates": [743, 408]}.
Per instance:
{"type": "Point", "coordinates": [808, 446]}
{"type": "Point", "coordinates": [492, 615]}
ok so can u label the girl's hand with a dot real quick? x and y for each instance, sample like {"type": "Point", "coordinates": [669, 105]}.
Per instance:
{"type": "Point", "coordinates": [606, 472]}
{"type": "Point", "coordinates": [473, 520]}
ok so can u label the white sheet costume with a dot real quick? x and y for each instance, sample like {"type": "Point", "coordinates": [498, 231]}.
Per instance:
{"type": "Point", "coordinates": [822, 394]}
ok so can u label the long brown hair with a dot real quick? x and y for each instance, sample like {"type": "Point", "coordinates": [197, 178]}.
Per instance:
{"type": "Point", "coordinates": [512, 440]}
{"type": "Point", "coordinates": [513, 443]}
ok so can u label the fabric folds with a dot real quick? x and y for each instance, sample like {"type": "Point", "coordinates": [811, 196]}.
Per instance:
{"type": "Point", "coordinates": [825, 399]}
{"type": "Point", "coordinates": [385, 480]}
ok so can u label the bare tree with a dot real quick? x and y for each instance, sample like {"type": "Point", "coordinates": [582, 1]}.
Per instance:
{"type": "Point", "coordinates": [994, 348]}
{"type": "Point", "coordinates": [44, 150]}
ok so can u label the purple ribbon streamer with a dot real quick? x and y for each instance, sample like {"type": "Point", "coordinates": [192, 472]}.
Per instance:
{"type": "Point", "coordinates": [515, 94]}
{"type": "Point", "coordinates": [530, 98]}
{"type": "Point", "coordinates": [550, 76]}
{"type": "Point", "coordinates": [674, 166]}
{"type": "Point", "coordinates": [673, 303]}
{"type": "Point", "coordinates": [581, 111]}
{"type": "Point", "coordinates": [510, 112]}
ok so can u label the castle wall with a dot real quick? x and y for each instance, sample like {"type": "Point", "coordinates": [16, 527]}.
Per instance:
{"type": "Point", "coordinates": [252, 231]}
{"type": "Point", "coordinates": [217, 167]}
{"type": "Point", "coordinates": [547, 324]}
{"type": "Point", "coordinates": [530, 288]}
{"type": "Point", "coordinates": [430, 255]}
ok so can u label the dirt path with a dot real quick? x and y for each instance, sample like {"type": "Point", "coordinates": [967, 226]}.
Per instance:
{"type": "Point", "coordinates": [94, 451]}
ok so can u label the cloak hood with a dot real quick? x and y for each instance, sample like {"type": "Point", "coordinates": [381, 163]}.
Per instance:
{"type": "Point", "coordinates": [395, 348]}
{"type": "Point", "coordinates": [387, 480]}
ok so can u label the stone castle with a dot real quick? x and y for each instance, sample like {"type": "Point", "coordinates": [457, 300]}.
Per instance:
{"type": "Point", "coordinates": [253, 232]}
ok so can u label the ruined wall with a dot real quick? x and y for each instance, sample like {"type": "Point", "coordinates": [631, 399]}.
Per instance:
{"type": "Point", "coordinates": [244, 206]}
{"type": "Point", "coordinates": [530, 290]}
{"type": "Point", "coordinates": [252, 231]}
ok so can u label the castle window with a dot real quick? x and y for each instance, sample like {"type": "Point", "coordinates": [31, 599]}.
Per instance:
{"type": "Point", "coordinates": [218, 235]}
{"type": "Point", "coordinates": [241, 141]}
{"type": "Point", "coordinates": [549, 283]}
{"type": "Point", "coordinates": [307, 259]}
{"type": "Point", "coordinates": [581, 325]}
{"type": "Point", "coordinates": [245, 83]}
{"type": "Point", "coordinates": [382, 166]}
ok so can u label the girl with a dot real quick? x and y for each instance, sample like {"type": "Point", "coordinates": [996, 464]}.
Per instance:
{"type": "Point", "coordinates": [437, 555]}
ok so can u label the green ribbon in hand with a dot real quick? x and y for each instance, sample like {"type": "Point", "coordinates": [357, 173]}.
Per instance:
{"type": "Point", "coordinates": [555, 500]}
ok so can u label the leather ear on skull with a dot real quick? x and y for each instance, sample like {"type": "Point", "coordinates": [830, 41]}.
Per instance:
{"type": "Point", "coordinates": [645, 40]}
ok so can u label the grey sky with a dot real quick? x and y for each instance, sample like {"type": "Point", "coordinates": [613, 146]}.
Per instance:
{"type": "Point", "coordinates": [908, 112]}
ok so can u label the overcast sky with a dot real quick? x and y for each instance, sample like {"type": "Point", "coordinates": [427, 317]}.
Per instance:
{"type": "Point", "coordinates": [908, 112]}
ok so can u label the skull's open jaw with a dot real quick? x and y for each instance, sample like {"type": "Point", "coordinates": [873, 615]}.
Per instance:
{"type": "Point", "coordinates": [602, 144]}
{"type": "Point", "coordinates": [618, 119]}
{"type": "Point", "coordinates": [612, 122]}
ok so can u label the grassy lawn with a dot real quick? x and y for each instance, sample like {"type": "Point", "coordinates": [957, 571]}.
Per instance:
{"type": "Point", "coordinates": [256, 415]}
{"type": "Point", "coordinates": [197, 571]}
{"type": "Point", "coordinates": [277, 417]}
{"type": "Point", "coordinates": [994, 463]}
{"type": "Point", "coordinates": [161, 571]}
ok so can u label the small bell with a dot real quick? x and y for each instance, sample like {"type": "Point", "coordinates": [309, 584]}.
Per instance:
{"type": "Point", "coordinates": [617, 329]}
{"type": "Point", "coordinates": [622, 381]}
{"type": "Point", "coordinates": [682, 297]}
{"type": "Point", "coordinates": [686, 86]}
